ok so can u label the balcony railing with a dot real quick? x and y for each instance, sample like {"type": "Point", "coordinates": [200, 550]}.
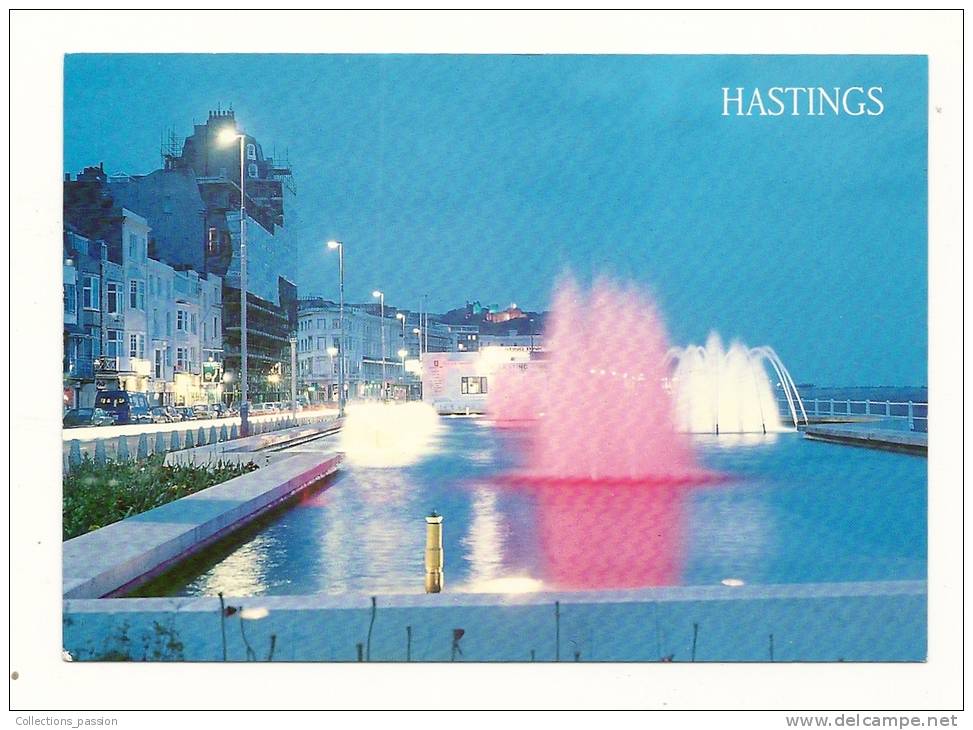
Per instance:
{"type": "Point", "coordinates": [81, 367]}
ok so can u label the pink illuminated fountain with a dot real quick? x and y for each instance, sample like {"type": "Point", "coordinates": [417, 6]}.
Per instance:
{"type": "Point", "coordinates": [602, 414]}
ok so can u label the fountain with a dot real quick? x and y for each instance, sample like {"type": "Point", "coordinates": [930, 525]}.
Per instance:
{"type": "Point", "coordinates": [602, 413]}
{"type": "Point", "coordinates": [728, 391]}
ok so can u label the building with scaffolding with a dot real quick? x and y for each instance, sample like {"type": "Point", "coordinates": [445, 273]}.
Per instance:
{"type": "Point", "coordinates": [192, 205]}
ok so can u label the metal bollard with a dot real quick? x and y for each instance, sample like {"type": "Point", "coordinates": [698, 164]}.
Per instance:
{"type": "Point", "coordinates": [434, 553]}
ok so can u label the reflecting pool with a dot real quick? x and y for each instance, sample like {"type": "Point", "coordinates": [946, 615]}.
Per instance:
{"type": "Point", "coordinates": [789, 511]}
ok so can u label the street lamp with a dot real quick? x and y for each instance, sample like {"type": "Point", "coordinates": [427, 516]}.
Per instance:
{"type": "Point", "coordinates": [293, 376]}
{"type": "Point", "coordinates": [401, 317]}
{"type": "Point", "coordinates": [332, 351]}
{"type": "Point", "coordinates": [341, 323]}
{"type": "Point", "coordinates": [402, 353]}
{"type": "Point", "coordinates": [226, 137]}
{"type": "Point", "coordinates": [381, 296]}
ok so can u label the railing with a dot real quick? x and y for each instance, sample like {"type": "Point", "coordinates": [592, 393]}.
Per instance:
{"type": "Point", "coordinates": [126, 447]}
{"type": "Point", "coordinates": [916, 414]}
{"type": "Point", "coordinates": [81, 367]}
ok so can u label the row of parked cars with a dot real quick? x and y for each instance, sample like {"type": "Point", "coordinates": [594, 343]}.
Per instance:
{"type": "Point", "coordinates": [259, 409]}
{"type": "Point", "coordinates": [122, 407]}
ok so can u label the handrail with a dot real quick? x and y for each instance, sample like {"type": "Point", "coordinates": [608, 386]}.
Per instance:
{"type": "Point", "coordinates": [917, 412]}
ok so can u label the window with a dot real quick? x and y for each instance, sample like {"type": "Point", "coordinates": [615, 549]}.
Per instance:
{"type": "Point", "coordinates": [158, 363]}
{"type": "Point", "coordinates": [181, 319]}
{"type": "Point", "coordinates": [112, 293]}
{"type": "Point", "coordinates": [136, 346]}
{"type": "Point", "coordinates": [252, 170]}
{"type": "Point", "coordinates": [168, 357]}
{"type": "Point", "coordinates": [192, 323]}
{"type": "Point", "coordinates": [181, 358]}
{"type": "Point", "coordinates": [473, 386]}
{"type": "Point", "coordinates": [335, 343]}
{"type": "Point", "coordinates": [216, 326]}
{"type": "Point", "coordinates": [136, 294]}
{"type": "Point", "coordinates": [322, 343]}
{"type": "Point", "coordinates": [212, 240]}
{"type": "Point", "coordinates": [133, 247]}
{"type": "Point", "coordinates": [70, 298]}
{"type": "Point", "coordinates": [91, 292]}
{"type": "Point", "coordinates": [113, 345]}
{"type": "Point", "coordinates": [321, 324]}
{"type": "Point", "coordinates": [251, 152]}
{"type": "Point", "coordinates": [155, 321]}
{"type": "Point", "coordinates": [335, 323]}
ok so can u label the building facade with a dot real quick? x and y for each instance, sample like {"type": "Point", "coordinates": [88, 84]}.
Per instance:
{"type": "Point", "coordinates": [136, 323]}
{"type": "Point", "coordinates": [192, 205]}
{"type": "Point", "coordinates": [319, 347]}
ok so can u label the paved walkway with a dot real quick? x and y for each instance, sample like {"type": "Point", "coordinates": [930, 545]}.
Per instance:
{"type": "Point", "coordinates": [876, 438]}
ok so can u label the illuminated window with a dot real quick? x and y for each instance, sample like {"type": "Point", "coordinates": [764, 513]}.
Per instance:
{"type": "Point", "coordinates": [252, 170]}
{"type": "Point", "coordinates": [251, 152]}
{"type": "Point", "coordinates": [473, 386]}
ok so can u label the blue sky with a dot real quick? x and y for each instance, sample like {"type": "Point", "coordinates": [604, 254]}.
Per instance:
{"type": "Point", "coordinates": [485, 177]}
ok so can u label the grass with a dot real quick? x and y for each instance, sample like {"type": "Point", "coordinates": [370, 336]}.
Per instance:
{"type": "Point", "coordinates": [96, 495]}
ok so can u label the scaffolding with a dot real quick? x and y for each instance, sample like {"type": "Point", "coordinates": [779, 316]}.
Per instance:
{"type": "Point", "coordinates": [170, 147]}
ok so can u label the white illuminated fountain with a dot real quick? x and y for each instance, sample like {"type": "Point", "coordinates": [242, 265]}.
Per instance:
{"type": "Point", "coordinates": [729, 391]}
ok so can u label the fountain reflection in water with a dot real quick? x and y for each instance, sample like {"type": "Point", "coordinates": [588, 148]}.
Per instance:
{"type": "Point", "coordinates": [729, 391]}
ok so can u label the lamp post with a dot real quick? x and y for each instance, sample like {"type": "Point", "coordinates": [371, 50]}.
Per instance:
{"type": "Point", "coordinates": [401, 317]}
{"type": "Point", "coordinates": [402, 353]}
{"type": "Point", "coordinates": [341, 324]}
{"type": "Point", "coordinates": [293, 376]}
{"type": "Point", "coordinates": [381, 297]}
{"type": "Point", "coordinates": [226, 137]}
{"type": "Point", "coordinates": [332, 351]}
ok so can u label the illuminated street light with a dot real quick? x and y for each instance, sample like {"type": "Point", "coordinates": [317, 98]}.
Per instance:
{"type": "Point", "coordinates": [226, 137]}
{"type": "Point", "coordinates": [333, 245]}
{"type": "Point", "coordinates": [381, 296]}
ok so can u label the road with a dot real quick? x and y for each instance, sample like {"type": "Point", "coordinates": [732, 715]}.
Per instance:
{"type": "Point", "coordinates": [134, 429]}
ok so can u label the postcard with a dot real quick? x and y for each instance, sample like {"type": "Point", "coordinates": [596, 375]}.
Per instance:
{"type": "Point", "coordinates": [560, 357]}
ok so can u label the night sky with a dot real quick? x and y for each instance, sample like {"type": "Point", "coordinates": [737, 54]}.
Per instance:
{"type": "Point", "coordinates": [486, 177]}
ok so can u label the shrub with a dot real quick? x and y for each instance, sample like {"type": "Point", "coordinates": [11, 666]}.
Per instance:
{"type": "Point", "coordinates": [96, 495]}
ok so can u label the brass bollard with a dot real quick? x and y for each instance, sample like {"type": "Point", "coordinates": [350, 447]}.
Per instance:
{"type": "Point", "coordinates": [434, 553]}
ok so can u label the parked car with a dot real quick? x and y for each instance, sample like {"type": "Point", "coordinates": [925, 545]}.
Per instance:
{"type": "Point", "coordinates": [87, 417]}
{"type": "Point", "coordinates": [202, 410]}
{"type": "Point", "coordinates": [162, 414]}
{"type": "Point", "coordinates": [124, 406]}
{"type": "Point", "coordinates": [186, 413]}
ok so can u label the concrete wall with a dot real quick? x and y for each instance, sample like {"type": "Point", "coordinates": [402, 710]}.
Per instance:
{"type": "Point", "coordinates": [850, 622]}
